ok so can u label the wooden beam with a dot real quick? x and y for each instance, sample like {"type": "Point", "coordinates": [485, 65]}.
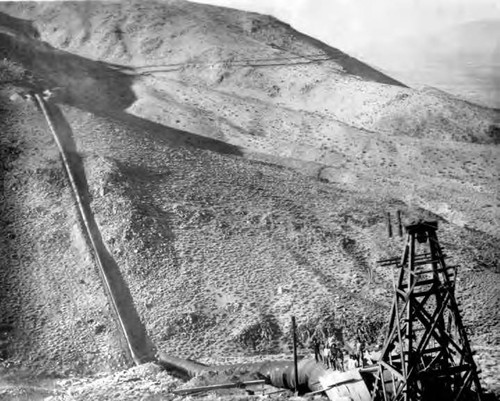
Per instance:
{"type": "Point", "coordinates": [421, 282]}
{"type": "Point", "coordinates": [295, 366]}
{"type": "Point", "coordinates": [434, 320]}
{"type": "Point", "coordinates": [427, 261]}
{"type": "Point", "coordinates": [431, 271]}
{"type": "Point", "coordinates": [389, 225]}
{"type": "Point", "coordinates": [448, 371]}
{"type": "Point", "coordinates": [397, 260]}
{"type": "Point", "coordinates": [393, 370]}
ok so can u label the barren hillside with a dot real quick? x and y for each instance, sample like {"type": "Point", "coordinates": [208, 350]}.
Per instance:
{"type": "Point", "coordinates": [278, 95]}
{"type": "Point", "coordinates": [239, 172]}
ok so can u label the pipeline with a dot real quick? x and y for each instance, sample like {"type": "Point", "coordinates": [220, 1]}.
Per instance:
{"type": "Point", "coordinates": [138, 345]}
{"type": "Point", "coordinates": [312, 376]}
{"type": "Point", "coordinates": [277, 373]}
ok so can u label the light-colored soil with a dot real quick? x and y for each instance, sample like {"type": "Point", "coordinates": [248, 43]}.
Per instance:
{"type": "Point", "coordinates": [229, 205]}
{"type": "Point", "coordinates": [254, 82]}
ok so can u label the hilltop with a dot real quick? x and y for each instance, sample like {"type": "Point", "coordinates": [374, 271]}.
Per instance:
{"type": "Point", "coordinates": [239, 172]}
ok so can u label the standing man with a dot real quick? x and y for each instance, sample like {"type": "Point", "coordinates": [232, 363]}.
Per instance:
{"type": "Point", "coordinates": [333, 356]}
{"type": "Point", "coordinates": [362, 349]}
{"type": "Point", "coordinates": [340, 359]}
{"type": "Point", "coordinates": [326, 354]}
{"type": "Point", "coordinates": [357, 352]}
{"type": "Point", "coordinates": [316, 345]}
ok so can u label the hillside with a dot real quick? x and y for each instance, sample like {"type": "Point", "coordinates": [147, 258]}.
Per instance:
{"type": "Point", "coordinates": [239, 172]}
{"type": "Point", "coordinates": [254, 82]}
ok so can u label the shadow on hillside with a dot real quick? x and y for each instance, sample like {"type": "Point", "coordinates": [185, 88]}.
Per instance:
{"type": "Point", "coordinates": [81, 81]}
{"type": "Point", "coordinates": [171, 136]}
{"type": "Point", "coordinates": [9, 309]}
{"type": "Point", "coordinates": [98, 87]}
{"type": "Point", "coordinates": [18, 26]}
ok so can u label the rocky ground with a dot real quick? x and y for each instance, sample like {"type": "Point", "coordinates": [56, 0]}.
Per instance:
{"type": "Point", "coordinates": [276, 94]}
{"type": "Point", "coordinates": [221, 241]}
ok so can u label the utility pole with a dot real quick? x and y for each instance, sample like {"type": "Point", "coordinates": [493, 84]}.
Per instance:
{"type": "Point", "coordinates": [295, 364]}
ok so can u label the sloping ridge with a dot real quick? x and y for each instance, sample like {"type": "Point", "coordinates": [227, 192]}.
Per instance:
{"type": "Point", "coordinates": [349, 64]}
{"type": "Point", "coordinates": [132, 41]}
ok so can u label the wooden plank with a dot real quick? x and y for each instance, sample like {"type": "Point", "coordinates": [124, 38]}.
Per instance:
{"type": "Point", "coordinates": [384, 387]}
{"type": "Point", "coordinates": [418, 257]}
{"type": "Point", "coordinates": [389, 225]}
{"type": "Point", "coordinates": [426, 351]}
{"type": "Point", "coordinates": [422, 282]}
{"type": "Point", "coordinates": [428, 261]}
{"type": "Point", "coordinates": [433, 291]}
{"type": "Point", "coordinates": [435, 321]}
{"type": "Point", "coordinates": [400, 224]}
{"type": "Point", "coordinates": [295, 367]}
{"type": "Point", "coordinates": [442, 337]}
{"type": "Point", "coordinates": [431, 271]}
{"type": "Point", "coordinates": [369, 369]}
{"type": "Point", "coordinates": [446, 372]}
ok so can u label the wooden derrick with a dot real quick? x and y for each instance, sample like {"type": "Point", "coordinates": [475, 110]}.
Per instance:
{"type": "Point", "coordinates": [426, 355]}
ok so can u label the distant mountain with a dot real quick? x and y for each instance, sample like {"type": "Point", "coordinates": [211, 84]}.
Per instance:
{"type": "Point", "coordinates": [463, 59]}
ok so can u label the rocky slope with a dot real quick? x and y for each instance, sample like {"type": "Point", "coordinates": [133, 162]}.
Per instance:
{"type": "Point", "coordinates": [229, 203]}
{"type": "Point", "coordinates": [278, 95]}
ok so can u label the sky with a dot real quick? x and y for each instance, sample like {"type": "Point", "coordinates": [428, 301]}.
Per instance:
{"type": "Point", "coordinates": [355, 26]}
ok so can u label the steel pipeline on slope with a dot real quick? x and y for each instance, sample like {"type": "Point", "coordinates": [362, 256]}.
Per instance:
{"type": "Point", "coordinates": [139, 346]}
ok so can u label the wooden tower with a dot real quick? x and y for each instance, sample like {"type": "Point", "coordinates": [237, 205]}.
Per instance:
{"type": "Point", "coordinates": [426, 354]}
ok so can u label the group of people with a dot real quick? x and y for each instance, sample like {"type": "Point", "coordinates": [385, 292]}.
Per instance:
{"type": "Point", "coordinates": [337, 356]}
{"type": "Point", "coordinates": [329, 353]}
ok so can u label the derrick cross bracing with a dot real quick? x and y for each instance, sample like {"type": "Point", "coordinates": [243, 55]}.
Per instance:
{"type": "Point", "coordinates": [426, 354]}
